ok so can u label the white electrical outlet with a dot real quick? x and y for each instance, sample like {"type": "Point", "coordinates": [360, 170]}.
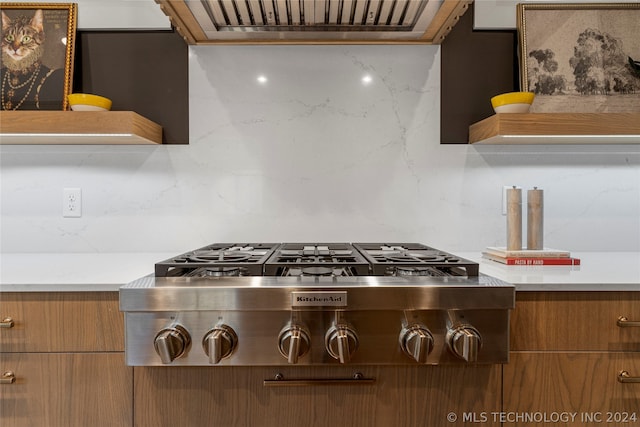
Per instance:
{"type": "Point", "coordinates": [71, 203]}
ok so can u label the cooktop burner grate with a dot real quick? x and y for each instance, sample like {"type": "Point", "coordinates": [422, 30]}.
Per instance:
{"type": "Point", "coordinates": [218, 259]}
{"type": "Point", "coordinates": [316, 259]}
{"type": "Point", "coordinates": [402, 259]}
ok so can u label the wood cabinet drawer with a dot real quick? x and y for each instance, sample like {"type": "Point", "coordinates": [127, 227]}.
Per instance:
{"type": "Point", "coordinates": [554, 384]}
{"type": "Point", "coordinates": [235, 396]}
{"type": "Point", "coordinates": [575, 321]}
{"type": "Point", "coordinates": [61, 322]}
{"type": "Point", "coordinates": [66, 389]}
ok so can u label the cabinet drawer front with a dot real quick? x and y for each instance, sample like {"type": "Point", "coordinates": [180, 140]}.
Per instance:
{"type": "Point", "coordinates": [66, 389]}
{"type": "Point", "coordinates": [235, 396]}
{"type": "Point", "coordinates": [555, 384]}
{"type": "Point", "coordinates": [61, 322]}
{"type": "Point", "coordinates": [575, 321]}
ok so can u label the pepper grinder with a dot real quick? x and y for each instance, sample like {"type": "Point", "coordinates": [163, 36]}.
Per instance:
{"type": "Point", "coordinates": [535, 218]}
{"type": "Point", "coordinates": [514, 219]}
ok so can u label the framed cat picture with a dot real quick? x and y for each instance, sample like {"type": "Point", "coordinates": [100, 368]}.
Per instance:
{"type": "Point", "coordinates": [37, 55]}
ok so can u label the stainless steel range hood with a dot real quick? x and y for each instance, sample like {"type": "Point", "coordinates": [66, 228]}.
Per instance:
{"type": "Point", "coordinates": [314, 21]}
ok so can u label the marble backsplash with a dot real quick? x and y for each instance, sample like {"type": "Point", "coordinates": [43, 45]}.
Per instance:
{"type": "Point", "coordinates": [313, 143]}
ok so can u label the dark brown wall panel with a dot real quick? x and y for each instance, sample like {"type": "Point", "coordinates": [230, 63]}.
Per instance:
{"type": "Point", "coordinates": [476, 65]}
{"type": "Point", "coordinates": [145, 72]}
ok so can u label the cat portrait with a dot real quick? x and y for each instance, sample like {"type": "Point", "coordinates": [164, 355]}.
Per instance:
{"type": "Point", "coordinates": [28, 80]}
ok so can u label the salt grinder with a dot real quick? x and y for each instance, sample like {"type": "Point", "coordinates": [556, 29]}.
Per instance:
{"type": "Point", "coordinates": [514, 219]}
{"type": "Point", "coordinates": [535, 218]}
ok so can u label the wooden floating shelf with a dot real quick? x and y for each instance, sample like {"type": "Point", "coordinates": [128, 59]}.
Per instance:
{"type": "Point", "coordinates": [78, 128]}
{"type": "Point", "coordinates": [557, 128]}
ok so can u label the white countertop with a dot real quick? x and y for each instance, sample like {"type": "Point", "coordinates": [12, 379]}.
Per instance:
{"type": "Point", "coordinates": [74, 271]}
{"type": "Point", "coordinates": [599, 271]}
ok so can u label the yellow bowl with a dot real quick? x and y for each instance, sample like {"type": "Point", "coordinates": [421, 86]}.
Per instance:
{"type": "Point", "coordinates": [88, 102]}
{"type": "Point", "coordinates": [512, 102]}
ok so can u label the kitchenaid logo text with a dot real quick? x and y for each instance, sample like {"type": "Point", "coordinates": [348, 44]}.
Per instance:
{"type": "Point", "coordinates": [319, 299]}
{"type": "Point", "coordinates": [316, 299]}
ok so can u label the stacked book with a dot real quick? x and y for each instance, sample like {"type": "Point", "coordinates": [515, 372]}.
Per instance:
{"type": "Point", "coordinates": [529, 256]}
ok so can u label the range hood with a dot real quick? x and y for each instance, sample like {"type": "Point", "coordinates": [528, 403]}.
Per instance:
{"type": "Point", "coordinates": [314, 21]}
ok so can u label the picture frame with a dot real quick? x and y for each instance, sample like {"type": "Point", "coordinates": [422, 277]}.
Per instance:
{"type": "Point", "coordinates": [38, 45]}
{"type": "Point", "coordinates": [580, 57]}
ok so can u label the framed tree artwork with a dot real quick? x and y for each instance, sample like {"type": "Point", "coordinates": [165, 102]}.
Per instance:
{"type": "Point", "coordinates": [37, 55]}
{"type": "Point", "coordinates": [580, 57]}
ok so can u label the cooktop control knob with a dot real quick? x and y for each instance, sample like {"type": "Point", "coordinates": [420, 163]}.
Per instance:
{"type": "Point", "coordinates": [219, 343]}
{"type": "Point", "coordinates": [171, 343]}
{"type": "Point", "coordinates": [341, 342]}
{"type": "Point", "coordinates": [465, 342]}
{"type": "Point", "coordinates": [416, 342]}
{"type": "Point", "coordinates": [293, 342]}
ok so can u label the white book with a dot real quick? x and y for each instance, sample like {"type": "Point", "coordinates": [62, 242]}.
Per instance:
{"type": "Point", "coordinates": [502, 251]}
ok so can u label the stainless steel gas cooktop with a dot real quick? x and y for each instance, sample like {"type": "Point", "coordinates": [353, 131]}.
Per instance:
{"type": "Point", "coordinates": [249, 304]}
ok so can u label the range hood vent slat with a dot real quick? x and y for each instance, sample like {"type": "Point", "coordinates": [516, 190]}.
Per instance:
{"type": "Point", "coordinates": [215, 11]}
{"type": "Point", "coordinates": [386, 8]}
{"type": "Point", "coordinates": [256, 12]}
{"type": "Point", "coordinates": [231, 12]}
{"type": "Point", "coordinates": [372, 12]}
{"type": "Point", "coordinates": [244, 13]}
{"type": "Point", "coordinates": [411, 13]}
{"type": "Point", "coordinates": [296, 12]}
{"type": "Point", "coordinates": [334, 12]}
{"type": "Point", "coordinates": [308, 12]}
{"type": "Point", "coordinates": [347, 12]}
{"type": "Point", "coordinates": [270, 16]}
{"type": "Point", "coordinates": [320, 12]}
{"type": "Point", "coordinates": [359, 12]}
{"type": "Point", "coordinates": [398, 12]}
{"type": "Point", "coordinates": [282, 12]}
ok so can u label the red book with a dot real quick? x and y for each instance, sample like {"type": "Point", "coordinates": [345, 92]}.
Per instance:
{"type": "Point", "coordinates": [532, 261]}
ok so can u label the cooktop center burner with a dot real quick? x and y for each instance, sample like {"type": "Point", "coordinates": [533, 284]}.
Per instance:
{"type": "Point", "coordinates": [222, 272]}
{"type": "Point", "coordinates": [320, 254]}
{"type": "Point", "coordinates": [219, 256]}
{"type": "Point", "coordinates": [316, 271]}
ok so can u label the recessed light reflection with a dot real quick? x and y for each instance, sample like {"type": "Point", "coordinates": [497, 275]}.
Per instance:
{"type": "Point", "coordinates": [262, 79]}
{"type": "Point", "coordinates": [366, 79]}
